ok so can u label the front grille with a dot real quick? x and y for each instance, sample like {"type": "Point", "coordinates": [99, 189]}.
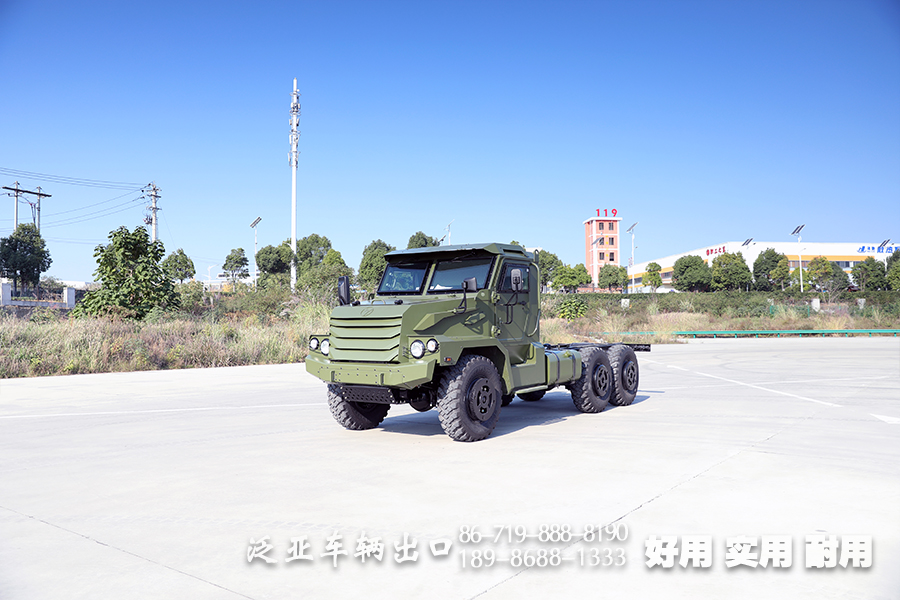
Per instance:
{"type": "Point", "coordinates": [366, 339]}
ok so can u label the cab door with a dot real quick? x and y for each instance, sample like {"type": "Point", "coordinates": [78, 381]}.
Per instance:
{"type": "Point", "coordinates": [516, 313]}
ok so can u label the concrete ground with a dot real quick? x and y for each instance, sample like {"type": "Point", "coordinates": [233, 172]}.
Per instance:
{"type": "Point", "coordinates": [153, 484]}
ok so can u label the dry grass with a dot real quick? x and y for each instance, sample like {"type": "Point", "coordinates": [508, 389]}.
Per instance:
{"type": "Point", "coordinates": [50, 345]}
{"type": "Point", "coordinates": [63, 347]}
{"type": "Point", "coordinates": [557, 331]}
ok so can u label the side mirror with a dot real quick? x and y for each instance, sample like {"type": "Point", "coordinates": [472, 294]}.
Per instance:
{"type": "Point", "coordinates": [516, 280]}
{"type": "Point", "coordinates": [468, 285]}
{"type": "Point", "coordinates": [344, 290]}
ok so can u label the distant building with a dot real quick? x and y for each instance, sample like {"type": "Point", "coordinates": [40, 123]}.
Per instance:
{"type": "Point", "coordinates": [601, 244]}
{"type": "Point", "coordinates": [845, 254]}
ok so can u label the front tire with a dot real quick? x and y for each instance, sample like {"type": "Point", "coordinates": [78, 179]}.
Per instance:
{"type": "Point", "coordinates": [355, 415]}
{"type": "Point", "coordinates": [625, 373]}
{"type": "Point", "coordinates": [469, 399]}
{"type": "Point", "coordinates": [592, 391]}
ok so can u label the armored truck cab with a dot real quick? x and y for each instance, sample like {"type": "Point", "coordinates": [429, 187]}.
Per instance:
{"type": "Point", "coordinates": [457, 328]}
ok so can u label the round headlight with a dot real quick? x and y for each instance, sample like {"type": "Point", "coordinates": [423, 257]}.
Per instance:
{"type": "Point", "coordinates": [313, 343]}
{"type": "Point", "coordinates": [431, 345]}
{"type": "Point", "coordinates": [326, 346]}
{"type": "Point", "coordinates": [417, 349]}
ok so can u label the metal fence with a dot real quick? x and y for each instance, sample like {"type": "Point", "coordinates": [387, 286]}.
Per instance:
{"type": "Point", "coordinates": [759, 333]}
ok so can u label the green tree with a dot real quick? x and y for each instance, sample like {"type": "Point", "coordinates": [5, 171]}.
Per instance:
{"type": "Point", "coordinates": [569, 278]}
{"type": "Point", "coordinates": [795, 283]}
{"type": "Point", "coordinates": [837, 283]}
{"type": "Point", "coordinates": [50, 283]}
{"type": "Point", "coordinates": [274, 259]}
{"type": "Point", "coordinates": [334, 259]}
{"type": "Point", "coordinates": [894, 257]}
{"type": "Point", "coordinates": [893, 274]}
{"type": "Point", "coordinates": [548, 263]}
{"type": "Point", "coordinates": [653, 278]}
{"type": "Point", "coordinates": [581, 274]}
{"type": "Point", "coordinates": [132, 279]}
{"type": "Point", "coordinates": [178, 265]}
{"type": "Point", "coordinates": [320, 281]}
{"type": "Point", "coordinates": [608, 276]}
{"type": "Point", "coordinates": [24, 256]}
{"type": "Point", "coordinates": [624, 279]}
{"type": "Point", "coordinates": [420, 240]}
{"type": "Point", "coordinates": [869, 274]}
{"type": "Point", "coordinates": [311, 251]}
{"type": "Point", "coordinates": [819, 273]}
{"type": "Point", "coordinates": [372, 266]}
{"type": "Point", "coordinates": [781, 274]}
{"type": "Point", "coordinates": [765, 263]}
{"type": "Point", "coordinates": [236, 264]}
{"type": "Point", "coordinates": [691, 273]}
{"type": "Point", "coordinates": [729, 272]}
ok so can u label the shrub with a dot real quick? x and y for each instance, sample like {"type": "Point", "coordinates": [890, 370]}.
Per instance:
{"type": "Point", "coordinates": [572, 308]}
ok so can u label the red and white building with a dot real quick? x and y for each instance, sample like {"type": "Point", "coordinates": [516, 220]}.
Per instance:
{"type": "Point", "coordinates": [601, 242]}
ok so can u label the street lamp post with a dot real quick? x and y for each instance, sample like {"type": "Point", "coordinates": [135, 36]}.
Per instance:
{"type": "Point", "coordinates": [747, 243]}
{"type": "Point", "coordinates": [882, 245]}
{"type": "Point", "coordinates": [631, 231]}
{"type": "Point", "coordinates": [800, 253]}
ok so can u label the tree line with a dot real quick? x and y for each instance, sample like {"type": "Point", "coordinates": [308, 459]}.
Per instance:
{"type": "Point", "coordinates": [135, 277]}
{"type": "Point", "coordinates": [771, 271]}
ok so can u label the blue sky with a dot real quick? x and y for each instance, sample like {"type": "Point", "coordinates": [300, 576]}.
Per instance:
{"type": "Point", "coordinates": [703, 121]}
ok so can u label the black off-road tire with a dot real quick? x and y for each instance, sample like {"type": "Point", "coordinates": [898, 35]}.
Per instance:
{"type": "Point", "coordinates": [625, 373]}
{"type": "Point", "coordinates": [593, 390]}
{"type": "Point", "coordinates": [355, 415]}
{"type": "Point", "coordinates": [532, 396]}
{"type": "Point", "coordinates": [469, 399]}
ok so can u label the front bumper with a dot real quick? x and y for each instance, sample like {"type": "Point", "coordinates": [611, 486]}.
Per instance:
{"type": "Point", "coordinates": [406, 376]}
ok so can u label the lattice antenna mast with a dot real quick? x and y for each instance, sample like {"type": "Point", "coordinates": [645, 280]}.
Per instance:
{"type": "Point", "coordinates": [294, 160]}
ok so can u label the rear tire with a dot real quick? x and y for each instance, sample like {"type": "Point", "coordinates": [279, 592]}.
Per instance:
{"type": "Point", "coordinates": [532, 396]}
{"type": "Point", "coordinates": [355, 415]}
{"type": "Point", "coordinates": [592, 391]}
{"type": "Point", "coordinates": [625, 373]}
{"type": "Point", "coordinates": [469, 399]}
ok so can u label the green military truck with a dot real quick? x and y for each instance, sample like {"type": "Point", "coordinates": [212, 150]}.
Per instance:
{"type": "Point", "coordinates": [457, 328]}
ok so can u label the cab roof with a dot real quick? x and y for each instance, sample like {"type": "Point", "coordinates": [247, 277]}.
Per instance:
{"type": "Point", "coordinates": [441, 251]}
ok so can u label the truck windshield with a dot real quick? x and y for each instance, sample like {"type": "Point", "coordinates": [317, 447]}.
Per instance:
{"type": "Point", "coordinates": [405, 278]}
{"type": "Point", "coordinates": [449, 274]}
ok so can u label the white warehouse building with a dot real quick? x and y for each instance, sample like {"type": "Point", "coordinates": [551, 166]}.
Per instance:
{"type": "Point", "coordinates": [846, 254]}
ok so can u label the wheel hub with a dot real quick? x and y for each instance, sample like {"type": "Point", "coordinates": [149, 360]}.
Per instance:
{"type": "Point", "coordinates": [602, 380]}
{"type": "Point", "coordinates": [630, 376]}
{"type": "Point", "coordinates": [481, 399]}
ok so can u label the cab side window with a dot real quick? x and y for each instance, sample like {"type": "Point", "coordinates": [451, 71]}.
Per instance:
{"type": "Point", "coordinates": [506, 277]}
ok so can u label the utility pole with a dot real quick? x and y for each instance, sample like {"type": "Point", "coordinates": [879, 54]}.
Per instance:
{"type": "Point", "coordinates": [154, 196]}
{"type": "Point", "coordinates": [294, 159]}
{"type": "Point", "coordinates": [38, 223]}
{"type": "Point", "coordinates": [16, 191]}
{"type": "Point", "coordinates": [255, 249]}
{"type": "Point", "coordinates": [15, 195]}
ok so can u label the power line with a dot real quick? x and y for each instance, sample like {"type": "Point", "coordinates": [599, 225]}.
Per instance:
{"type": "Point", "coordinates": [121, 185]}
{"type": "Point", "coordinates": [81, 219]}
{"type": "Point", "coordinates": [95, 204]}
{"type": "Point", "coordinates": [65, 241]}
